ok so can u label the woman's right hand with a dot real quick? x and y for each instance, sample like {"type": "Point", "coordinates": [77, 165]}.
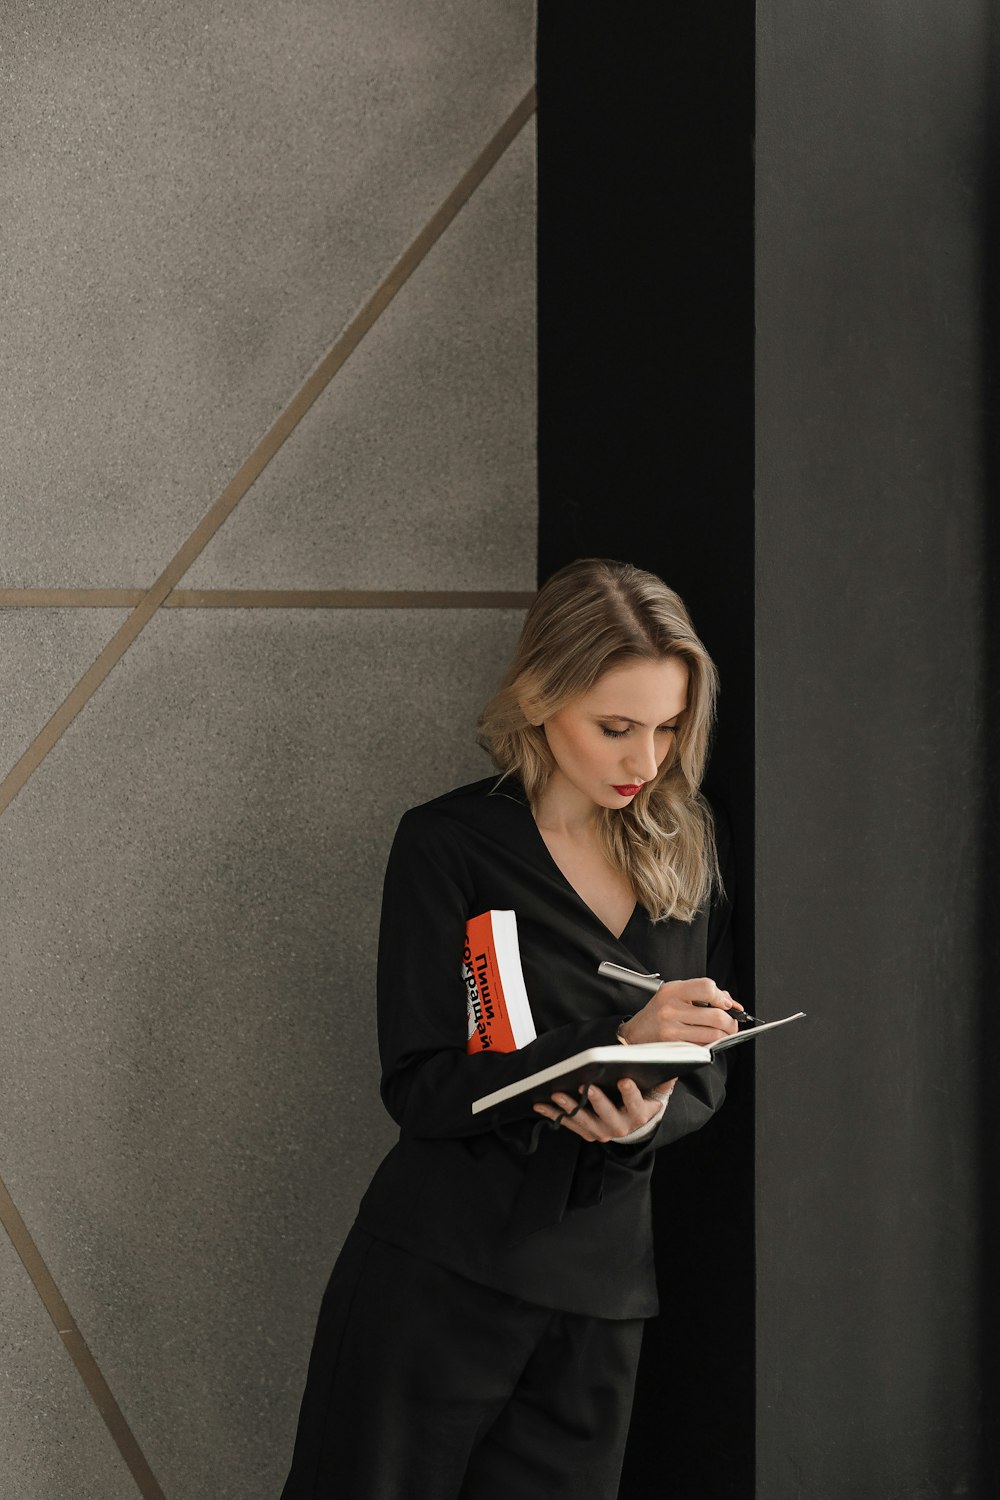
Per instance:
{"type": "Point", "coordinates": [684, 1010]}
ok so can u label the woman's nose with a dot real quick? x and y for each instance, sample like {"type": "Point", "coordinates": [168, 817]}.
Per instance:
{"type": "Point", "coordinates": [642, 763]}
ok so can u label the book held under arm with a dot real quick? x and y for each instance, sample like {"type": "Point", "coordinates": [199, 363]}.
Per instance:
{"type": "Point", "coordinates": [647, 1063]}
{"type": "Point", "coordinates": [499, 1015]}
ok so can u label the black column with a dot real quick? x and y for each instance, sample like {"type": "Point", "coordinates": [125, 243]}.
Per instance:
{"type": "Point", "coordinates": [645, 445]}
{"type": "Point", "coordinates": [864, 559]}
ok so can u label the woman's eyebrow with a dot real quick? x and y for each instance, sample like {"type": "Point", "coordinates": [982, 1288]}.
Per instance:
{"type": "Point", "coordinates": [636, 722]}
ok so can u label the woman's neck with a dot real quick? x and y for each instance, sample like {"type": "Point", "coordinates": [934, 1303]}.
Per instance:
{"type": "Point", "coordinates": [562, 810]}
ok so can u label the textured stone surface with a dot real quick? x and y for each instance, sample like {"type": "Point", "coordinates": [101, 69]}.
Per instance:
{"type": "Point", "coordinates": [53, 1442]}
{"type": "Point", "coordinates": [426, 435]}
{"type": "Point", "coordinates": [188, 1097]}
{"type": "Point", "coordinates": [196, 201]}
{"type": "Point", "coordinates": [870, 639]}
{"type": "Point", "coordinates": [43, 653]}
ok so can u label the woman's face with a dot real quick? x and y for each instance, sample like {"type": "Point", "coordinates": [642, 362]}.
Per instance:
{"type": "Point", "coordinates": [609, 742]}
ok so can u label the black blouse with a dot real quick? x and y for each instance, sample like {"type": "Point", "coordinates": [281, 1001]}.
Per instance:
{"type": "Point", "coordinates": [567, 1224]}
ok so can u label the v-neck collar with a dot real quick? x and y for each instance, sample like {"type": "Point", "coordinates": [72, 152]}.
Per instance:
{"type": "Point", "coordinates": [511, 786]}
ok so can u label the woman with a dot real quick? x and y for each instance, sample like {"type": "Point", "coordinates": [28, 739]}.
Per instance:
{"type": "Point", "coordinates": [480, 1333]}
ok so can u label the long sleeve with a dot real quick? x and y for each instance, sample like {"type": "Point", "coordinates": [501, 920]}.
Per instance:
{"type": "Point", "coordinates": [429, 1081]}
{"type": "Point", "coordinates": [537, 1213]}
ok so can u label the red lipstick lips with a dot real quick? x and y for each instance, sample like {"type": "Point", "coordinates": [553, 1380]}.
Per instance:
{"type": "Point", "coordinates": [629, 791]}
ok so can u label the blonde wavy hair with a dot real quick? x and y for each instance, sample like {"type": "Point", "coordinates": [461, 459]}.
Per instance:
{"type": "Point", "coordinates": [593, 615]}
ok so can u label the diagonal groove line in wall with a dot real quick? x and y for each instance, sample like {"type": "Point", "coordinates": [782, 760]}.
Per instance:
{"type": "Point", "coordinates": [270, 599]}
{"type": "Point", "coordinates": [77, 1349]}
{"type": "Point", "coordinates": [116, 648]}
{"type": "Point", "coordinates": [262, 455]}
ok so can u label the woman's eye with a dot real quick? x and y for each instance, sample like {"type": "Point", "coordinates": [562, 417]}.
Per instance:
{"type": "Point", "coordinates": [616, 734]}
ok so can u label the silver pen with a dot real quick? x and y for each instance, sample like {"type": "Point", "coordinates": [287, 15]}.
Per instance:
{"type": "Point", "coordinates": [651, 983]}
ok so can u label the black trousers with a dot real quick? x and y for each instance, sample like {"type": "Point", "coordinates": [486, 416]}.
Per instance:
{"type": "Point", "coordinates": [423, 1385]}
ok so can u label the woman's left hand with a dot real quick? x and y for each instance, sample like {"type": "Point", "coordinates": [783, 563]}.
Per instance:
{"type": "Point", "coordinates": [599, 1119]}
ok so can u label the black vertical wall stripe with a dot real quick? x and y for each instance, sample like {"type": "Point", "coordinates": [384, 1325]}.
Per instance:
{"type": "Point", "coordinates": [645, 450]}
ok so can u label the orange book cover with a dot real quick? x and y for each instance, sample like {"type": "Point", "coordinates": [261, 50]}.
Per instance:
{"type": "Point", "coordinates": [499, 1014]}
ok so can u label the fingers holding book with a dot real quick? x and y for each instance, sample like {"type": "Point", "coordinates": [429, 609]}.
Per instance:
{"type": "Point", "coordinates": [594, 1117]}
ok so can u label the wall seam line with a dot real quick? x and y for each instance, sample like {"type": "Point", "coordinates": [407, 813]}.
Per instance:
{"type": "Point", "coordinates": [273, 440]}
{"type": "Point", "coordinates": [148, 605]}
{"type": "Point", "coordinates": [270, 599]}
{"type": "Point", "coordinates": [77, 1349]}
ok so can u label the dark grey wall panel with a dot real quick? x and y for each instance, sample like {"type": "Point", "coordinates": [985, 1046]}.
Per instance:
{"type": "Point", "coordinates": [870, 622]}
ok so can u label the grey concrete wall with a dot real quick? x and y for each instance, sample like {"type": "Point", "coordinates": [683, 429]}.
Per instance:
{"type": "Point", "coordinates": [196, 203]}
{"type": "Point", "coordinates": [870, 628]}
